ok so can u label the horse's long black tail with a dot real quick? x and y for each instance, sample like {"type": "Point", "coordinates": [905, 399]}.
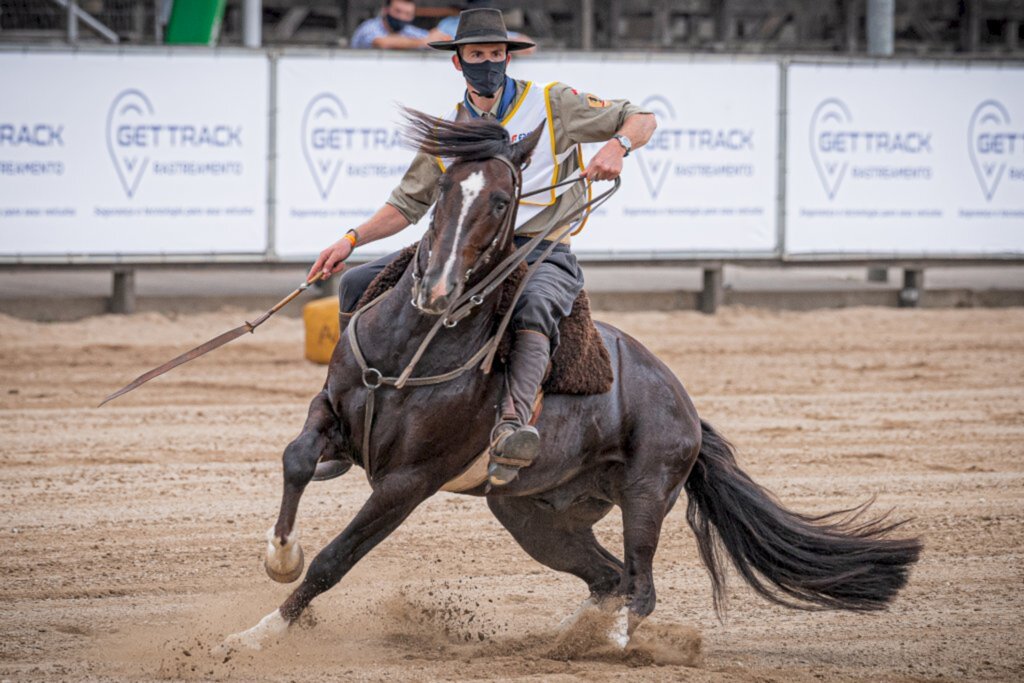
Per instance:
{"type": "Point", "coordinates": [834, 561]}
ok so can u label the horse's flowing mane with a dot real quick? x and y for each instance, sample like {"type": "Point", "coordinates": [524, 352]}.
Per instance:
{"type": "Point", "coordinates": [470, 140]}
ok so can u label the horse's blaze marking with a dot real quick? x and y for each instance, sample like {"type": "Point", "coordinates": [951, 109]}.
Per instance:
{"type": "Point", "coordinates": [472, 186]}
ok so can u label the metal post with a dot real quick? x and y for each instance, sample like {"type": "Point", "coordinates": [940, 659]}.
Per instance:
{"type": "Point", "coordinates": [970, 25]}
{"type": "Point", "coordinates": [138, 21]}
{"type": "Point", "coordinates": [614, 19]}
{"type": "Point", "coordinates": [711, 296]}
{"type": "Point", "coordinates": [76, 14]}
{"type": "Point", "coordinates": [351, 19]}
{"type": "Point", "coordinates": [723, 21]}
{"type": "Point", "coordinates": [158, 26]}
{"type": "Point", "coordinates": [850, 21]}
{"type": "Point", "coordinates": [881, 22]}
{"type": "Point", "coordinates": [1012, 34]}
{"type": "Point", "coordinates": [781, 162]}
{"type": "Point", "coordinates": [913, 287]}
{"type": "Point", "coordinates": [252, 23]}
{"type": "Point", "coordinates": [662, 13]}
{"type": "Point", "coordinates": [272, 162]}
{"type": "Point", "coordinates": [122, 300]}
{"type": "Point", "coordinates": [587, 28]}
{"type": "Point", "coordinates": [72, 21]}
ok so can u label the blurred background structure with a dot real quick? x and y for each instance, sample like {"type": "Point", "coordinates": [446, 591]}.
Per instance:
{"type": "Point", "coordinates": [920, 27]}
{"type": "Point", "coordinates": [975, 255]}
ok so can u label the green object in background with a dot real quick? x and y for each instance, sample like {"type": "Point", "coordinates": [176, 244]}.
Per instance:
{"type": "Point", "coordinates": [195, 22]}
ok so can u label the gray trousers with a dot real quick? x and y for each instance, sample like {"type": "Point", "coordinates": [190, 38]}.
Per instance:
{"type": "Point", "coordinates": [547, 298]}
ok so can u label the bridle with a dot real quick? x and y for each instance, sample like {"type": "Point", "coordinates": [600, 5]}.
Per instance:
{"type": "Point", "coordinates": [463, 305]}
{"type": "Point", "coordinates": [500, 237]}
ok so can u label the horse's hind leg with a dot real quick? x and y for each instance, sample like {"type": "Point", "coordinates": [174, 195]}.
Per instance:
{"type": "Point", "coordinates": [642, 516]}
{"type": "Point", "coordinates": [320, 437]}
{"type": "Point", "coordinates": [563, 539]}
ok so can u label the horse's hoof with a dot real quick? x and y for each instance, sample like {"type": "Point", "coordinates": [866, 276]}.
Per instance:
{"type": "Point", "coordinates": [501, 475]}
{"type": "Point", "coordinates": [284, 562]}
{"type": "Point", "coordinates": [331, 469]}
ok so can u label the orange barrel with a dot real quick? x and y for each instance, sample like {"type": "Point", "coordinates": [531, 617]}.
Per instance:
{"type": "Point", "coordinates": [322, 331]}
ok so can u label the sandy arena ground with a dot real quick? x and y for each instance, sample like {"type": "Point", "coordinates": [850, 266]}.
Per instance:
{"type": "Point", "coordinates": [132, 534]}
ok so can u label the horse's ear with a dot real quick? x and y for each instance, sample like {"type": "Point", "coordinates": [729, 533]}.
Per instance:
{"type": "Point", "coordinates": [522, 150]}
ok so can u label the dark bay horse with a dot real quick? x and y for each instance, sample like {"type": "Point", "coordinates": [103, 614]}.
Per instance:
{"type": "Point", "coordinates": [637, 447]}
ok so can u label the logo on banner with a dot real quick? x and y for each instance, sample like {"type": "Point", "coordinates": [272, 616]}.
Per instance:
{"type": "Point", "coordinates": [320, 126]}
{"type": "Point", "coordinates": [831, 116]}
{"type": "Point", "coordinates": [31, 138]}
{"type": "Point", "coordinates": [654, 166]}
{"type": "Point", "coordinates": [840, 151]}
{"type": "Point", "coordinates": [991, 143]}
{"type": "Point", "coordinates": [130, 108]}
{"type": "Point", "coordinates": [140, 143]}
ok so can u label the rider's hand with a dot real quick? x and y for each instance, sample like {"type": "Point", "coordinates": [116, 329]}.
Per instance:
{"type": "Point", "coordinates": [607, 163]}
{"type": "Point", "coordinates": [331, 259]}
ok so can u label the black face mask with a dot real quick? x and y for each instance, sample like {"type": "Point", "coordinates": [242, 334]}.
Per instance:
{"type": "Point", "coordinates": [484, 77]}
{"type": "Point", "coordinates": [396, 25]}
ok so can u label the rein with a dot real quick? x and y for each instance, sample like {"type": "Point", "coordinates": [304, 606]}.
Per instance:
{"type": "Point", "coordinates": [464, 304]}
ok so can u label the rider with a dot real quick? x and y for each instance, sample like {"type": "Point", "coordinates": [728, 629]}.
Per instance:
{"type": "Point", "coordinates": [482, 53]}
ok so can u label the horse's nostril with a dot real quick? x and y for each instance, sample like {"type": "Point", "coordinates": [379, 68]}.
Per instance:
{"type": "Point", "coordinates": [439, 292]}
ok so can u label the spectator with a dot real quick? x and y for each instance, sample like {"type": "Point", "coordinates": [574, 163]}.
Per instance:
{"type": "Point", "coordinates": [393, 29]}
{"type": "Point", "coordinates": [449, 26]}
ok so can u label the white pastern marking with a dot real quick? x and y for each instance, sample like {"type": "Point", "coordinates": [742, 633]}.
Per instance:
{"type": "Point", "coordinates": [283, 557]}
{"type": "Point", "coordinates": [569, 621]}
{"type": "Point", "coordinates": [619, 633]}
{"type": "Point", "coordinates": [472, 186]}
{"type": "Point", "coordinates": [270, 627]}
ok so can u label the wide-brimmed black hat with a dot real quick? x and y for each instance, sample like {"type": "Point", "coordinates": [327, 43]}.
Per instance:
{"type": "Point", "coordinates": [482, 25]}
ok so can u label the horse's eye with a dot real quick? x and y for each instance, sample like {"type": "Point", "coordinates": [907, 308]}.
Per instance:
{"type": "Point", "coordinates": [499, 205]}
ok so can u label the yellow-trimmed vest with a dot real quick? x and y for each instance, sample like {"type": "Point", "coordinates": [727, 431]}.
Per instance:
{"type": "Point", "coordinates": [532, 107]}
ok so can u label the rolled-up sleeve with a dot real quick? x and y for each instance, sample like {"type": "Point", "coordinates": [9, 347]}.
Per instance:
{"type": "Point", "coordinates": [418, 190]}
{"type": "Point", "coordinates": [583, 117]}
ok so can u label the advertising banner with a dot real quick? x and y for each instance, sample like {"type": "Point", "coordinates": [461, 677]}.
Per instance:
{"type": "Point", "coordinates": [140, 154]}
{"type": "Point", "coordinates": [707, 180]}
{"type": "Point", "coordinates": [339, 147]}
{"type": "Point", "coordinates": [705, 183]}
{"type": "Point", "coordinates": [905, 160]}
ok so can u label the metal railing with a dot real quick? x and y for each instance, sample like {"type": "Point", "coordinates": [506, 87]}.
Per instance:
{"type": "Point", "coordinates": [921, 27]}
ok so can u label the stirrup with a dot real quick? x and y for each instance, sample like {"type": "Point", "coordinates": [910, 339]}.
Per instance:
{"type": "Point", "coordinates": [512, 448]}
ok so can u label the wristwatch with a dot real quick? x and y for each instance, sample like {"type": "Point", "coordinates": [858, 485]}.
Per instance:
{"type": "Point", "coordinates": [625, 142]}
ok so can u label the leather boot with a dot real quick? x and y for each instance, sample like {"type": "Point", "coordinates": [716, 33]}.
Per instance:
{"type": "Point", "coordinates": [329, 469]}
{"type": "Point", "coordinates": [514, 441]}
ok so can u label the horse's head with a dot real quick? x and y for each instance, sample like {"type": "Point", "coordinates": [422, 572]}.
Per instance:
{"type": "Point", "coordinates": [475, 211]}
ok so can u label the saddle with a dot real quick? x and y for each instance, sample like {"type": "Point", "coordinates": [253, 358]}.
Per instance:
{"type": "Point", "coordinates": [580, 364]}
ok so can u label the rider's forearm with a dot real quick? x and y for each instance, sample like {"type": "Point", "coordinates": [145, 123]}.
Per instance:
{"type": "Point", "coordinates": [639, 128]}
{"type": "Point", "coordinates": [386, 222]}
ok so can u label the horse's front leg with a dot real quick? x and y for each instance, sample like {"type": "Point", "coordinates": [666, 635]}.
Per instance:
{"type": "Point", "coordinates": [320, 438]}
{"type": "Point", "coordinates": [393, 499]}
